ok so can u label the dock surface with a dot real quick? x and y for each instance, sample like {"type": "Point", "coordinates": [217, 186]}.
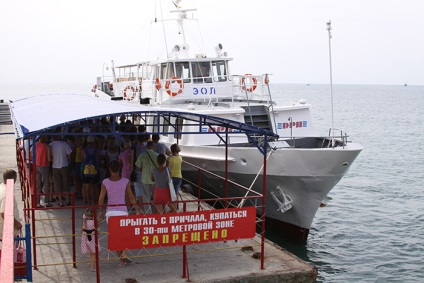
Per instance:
{"type": "Point", "coordinates": [230, 261]}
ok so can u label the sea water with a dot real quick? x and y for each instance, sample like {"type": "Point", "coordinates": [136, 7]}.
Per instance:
{"type": "Point", "coordinates": [372, 230]}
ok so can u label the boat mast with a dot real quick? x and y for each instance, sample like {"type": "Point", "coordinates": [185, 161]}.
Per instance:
{"type": "Point", "coordinates": [182, 16]}
{"type": "Point", "coordinates": [331, 83]}
{"type": "Point", "coordinates": [112, 66]}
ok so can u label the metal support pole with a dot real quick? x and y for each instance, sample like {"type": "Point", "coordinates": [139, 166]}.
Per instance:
{"type": "Point", "coordinates": [96, 240]}
{"type": "Point", "coordinates": [33, 166]}
{"type": "Point", "coordinates": [199, 182]}
{"type": "Point", "coordinates": [185, 264]}
{"type": "Point", "coordinates": [74, 254]}
{"type": "Point", "coordinates": [226, 167]}
{"type": "Point", "coordinates": [331, 83]}
{"type": "Point", "coordinates": [263, 205]}
{"type": "Point", "coordinates": [28, 252]}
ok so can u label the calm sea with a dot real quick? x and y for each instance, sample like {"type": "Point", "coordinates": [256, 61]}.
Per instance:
{"type": "Point", "coordinates": [373, 228]}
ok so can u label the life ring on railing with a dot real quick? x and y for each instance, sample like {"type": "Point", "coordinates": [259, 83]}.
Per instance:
{"type": "Point", "coordinates": [168, 85]}
{"type": "Point", "coordinates": [158, 85]}
{"type": "Point", "coordinates": [131, 92]}
{"type": "Point", "coordinates": [254, 83]}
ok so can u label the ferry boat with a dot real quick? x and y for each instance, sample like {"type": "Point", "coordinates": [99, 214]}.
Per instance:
{"type": "Point", "coordinates": [302, 167]}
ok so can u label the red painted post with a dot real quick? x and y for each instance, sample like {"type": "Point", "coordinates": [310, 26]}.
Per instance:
{"type": "Point", "coordinates": [199, 182]}
{"type": "Point", "coordinates": [185, 267]}
{"type": "Point", "coordinates": [184, 262]}
{"type": "Point", "coordinates": [74, 253]}
{"type": "Point", "coordinates": [33, 205]}
{"type": "Point", "coordinates": [226, 168]}
{"type": "Point", "coordinates": [96, 240]}
{"type": "Point", "coordinates": [263, 206]}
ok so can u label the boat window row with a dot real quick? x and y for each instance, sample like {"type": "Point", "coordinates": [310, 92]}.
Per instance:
{"type": "Point", "coordinates": [196, 72]}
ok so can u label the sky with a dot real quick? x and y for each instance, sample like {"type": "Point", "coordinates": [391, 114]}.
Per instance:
{"type": "Point", "coordinates": [373, 41]}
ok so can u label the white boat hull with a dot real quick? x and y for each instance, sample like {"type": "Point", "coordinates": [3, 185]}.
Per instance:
{"type": "Point", "coordinates": [298, 172]}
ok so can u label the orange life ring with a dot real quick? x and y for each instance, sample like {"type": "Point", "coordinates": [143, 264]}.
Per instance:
{"type": "Point", "coordinates": [252, 79]}
{"type": "Point", "coordinates": [168, 84]}
{"type": "Point", "coordinates": [158, 85]}
{"type": "Point", "coordinates": [130, 88]}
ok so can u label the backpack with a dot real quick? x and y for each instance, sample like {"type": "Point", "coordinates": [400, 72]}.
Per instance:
{"type": "Point", "coordinates": [89, 165]}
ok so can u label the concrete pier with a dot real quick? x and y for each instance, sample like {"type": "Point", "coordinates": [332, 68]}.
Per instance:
{"type": "Point", "coordinates": [231, 261]}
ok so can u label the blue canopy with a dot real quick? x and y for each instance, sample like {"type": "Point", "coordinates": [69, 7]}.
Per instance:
{"type": "Point", "coordinates": [36, 115]}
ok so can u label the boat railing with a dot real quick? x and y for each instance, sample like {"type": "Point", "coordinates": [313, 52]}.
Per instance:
{"type": "Point", "coordinates": [337, 139]}
{"type": "Point", "coordinates": [243, 87]}
{"type": "Point", "coordinates": [126, 79]}
{"type": "Point", "coordinates": [308, 142]}
{"type": "Point", "coordinates": [251, 87]}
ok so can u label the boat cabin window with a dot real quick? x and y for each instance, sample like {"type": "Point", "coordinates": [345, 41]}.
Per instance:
{"type": "Point", "coordinates": [201, 72]}
{"type": "Point", "coordinates": [167, 70]}
{"type": "Point", "coordinates": [183, 71]}
{"type": "Point", "coordinates": [145, 71]}
{"type": "Point", "coordinates": [219, 71]}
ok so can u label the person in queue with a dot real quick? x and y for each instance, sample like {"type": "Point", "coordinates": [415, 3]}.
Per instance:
{"type": "Point", "coordinates": [61, 154]}
{"type": "Point", "coordinates": [116, 188]}
{"type": "Point", "coordinates": [139, 148]}
{"type": "Point", "coordinates": [144, 164]}
{"type": "Point", "coordinates": [88, 244]}
{"type": "Point", "coordinates": [174, 163]}
{"type": "Point", "coordinates": [161, 176]}
{"type": "Point", "coordinates": [42, 162]}
{"type": "Point", "coordinates": [90, 171]}
{"type": "Point", "coordinates": [126, 159]}
{"type": "Point", "coordinates": [159, 146]}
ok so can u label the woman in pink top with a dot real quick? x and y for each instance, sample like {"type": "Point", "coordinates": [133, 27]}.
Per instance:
{"type": "Point", "coordinates": [126, 160]}
{"type": "Point", "coordinates": [116, 188]}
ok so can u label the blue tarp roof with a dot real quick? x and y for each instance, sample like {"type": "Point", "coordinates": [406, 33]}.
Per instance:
{"type": "Point", "coordinates": [40, 114]}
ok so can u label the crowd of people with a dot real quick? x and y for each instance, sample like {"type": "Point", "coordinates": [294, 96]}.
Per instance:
{"type": "Point", "coordinates": [82, 160]}
{"type": "Point", "coordinates": [118, 171]}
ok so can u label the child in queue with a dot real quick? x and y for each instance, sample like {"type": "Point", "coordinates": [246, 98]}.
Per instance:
{"type": "Point", "coordinates": [88, 244]}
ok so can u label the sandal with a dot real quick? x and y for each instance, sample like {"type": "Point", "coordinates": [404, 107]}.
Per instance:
{"type": "Point", "coordinates": [126, 260]}
{"type": "Point", "coordinates": [122, 264]}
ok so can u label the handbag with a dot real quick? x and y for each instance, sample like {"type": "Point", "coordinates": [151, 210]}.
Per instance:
{"type": "Point", "coordinates": [19, 259]}
{"type": "Point", "coordinates": [89, 164]}
{"type": "Point", "coordinates": [171, 186]}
